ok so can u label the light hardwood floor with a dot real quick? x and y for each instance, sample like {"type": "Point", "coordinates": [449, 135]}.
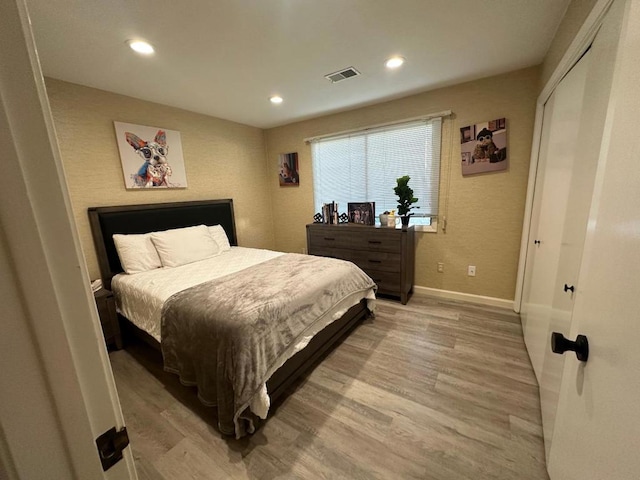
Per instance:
{"type": "Point", "coordinates": [430, 390]}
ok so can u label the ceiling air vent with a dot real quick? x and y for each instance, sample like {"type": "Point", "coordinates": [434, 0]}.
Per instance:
{"type": "Point", "coordinates": [342, 75]}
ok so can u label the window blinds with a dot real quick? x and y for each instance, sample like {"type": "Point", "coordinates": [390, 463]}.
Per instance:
{"type": "Point", "coordinates": [363, 166]}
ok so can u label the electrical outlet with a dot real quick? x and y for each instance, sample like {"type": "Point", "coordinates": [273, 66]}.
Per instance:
{"type": "Point", "coordinates": [440, 267]}
{"type": "Point", "coordinates": [471, 270]}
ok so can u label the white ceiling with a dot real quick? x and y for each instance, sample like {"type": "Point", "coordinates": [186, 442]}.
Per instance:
{"type": "Point", "coordinates": [225, 58]}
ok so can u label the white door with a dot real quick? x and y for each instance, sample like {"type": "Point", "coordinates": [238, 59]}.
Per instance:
{"type": "Point", "coordinates": [597, 96]}
{"type": "Point", "coordinates": [597, 433]}
{"type": "Point", "coordinates": [558, 147]}
{"type": "Point", "coordinates": [569, 236]}
{"type": "Point", "coordinates": [57, 393]}
{"type": "Point", "coordinates": [545, 307]}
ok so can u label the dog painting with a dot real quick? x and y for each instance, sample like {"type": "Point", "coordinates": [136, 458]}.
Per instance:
{"type": "Point", "coordinates": [144, 153]}
{"type": "Point", "coordinates": [289, 176]}
{"type": "Point", "coordinates": [484, 147]}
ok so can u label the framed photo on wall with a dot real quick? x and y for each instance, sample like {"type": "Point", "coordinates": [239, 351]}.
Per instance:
{"type": "Point", "coordinates": [151, 157]}
{"type": "Point", "coordinates": [289, 176]}
{"type": "Point", "coordinates": [362, 212]}
{"type": "Point", "coordinates": [483, 147]}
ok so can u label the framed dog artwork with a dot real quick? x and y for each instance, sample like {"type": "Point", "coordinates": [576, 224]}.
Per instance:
{"type": "Point", "coordinates": [484, 147]}
{"type": "Point", "coordinates": [288, 164]}
{"type": "Point", "coordinates": [151, 157]}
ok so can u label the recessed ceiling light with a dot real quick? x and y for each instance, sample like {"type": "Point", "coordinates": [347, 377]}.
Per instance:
{"type": "Point", "coordinates": [276, 99]}
{"type": "Point", "coordinates": [141, 47]}
{"type": "Point", "coordinates": [394, 62]}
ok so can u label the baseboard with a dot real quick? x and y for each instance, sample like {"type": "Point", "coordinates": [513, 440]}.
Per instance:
{"type": "Point", "coordinates": [465, 297]}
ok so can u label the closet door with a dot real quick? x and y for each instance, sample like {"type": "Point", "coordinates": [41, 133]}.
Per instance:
{"type": "Point", "coordinates": [544, 307]}
{"type": "Point", "coordinates": [598, 420]}
{"type": "Point", "coordinates": [571, 145]}
{"type": "Point", "coordinates": [590, 140]}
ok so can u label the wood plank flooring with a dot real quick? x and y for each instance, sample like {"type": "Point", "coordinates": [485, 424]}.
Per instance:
{"type": "Point", "coordinates": [429, 390]}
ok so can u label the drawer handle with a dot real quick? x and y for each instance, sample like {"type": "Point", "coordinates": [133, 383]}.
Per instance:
{"type": "Point", "coordinates": [375, 261]}
{"type": "Point", "coordinates": [329, 238]}
{"type": "Point", "coordinates": [375, 241]}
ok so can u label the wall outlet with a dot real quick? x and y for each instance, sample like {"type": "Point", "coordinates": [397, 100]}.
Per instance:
{"type": "Point", "coordinates": [471, 270]}
{"type": "Point", "coordinates": [440, 267]}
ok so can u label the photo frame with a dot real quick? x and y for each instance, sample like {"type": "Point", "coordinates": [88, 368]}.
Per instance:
{"type": "Point", "coordinates": [362, 212]}
{"type": "Point", "coordinates": [151, 157]}
{"type": "Point", "coordinates": [483, 147]}
{"type": "Point", "coordinates": [288, 164]}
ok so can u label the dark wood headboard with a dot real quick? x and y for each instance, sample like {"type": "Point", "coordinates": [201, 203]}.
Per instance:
{"type": "Point", "coordinates": [128, 219]}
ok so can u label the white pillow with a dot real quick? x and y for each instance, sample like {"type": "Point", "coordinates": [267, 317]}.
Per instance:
{"type": "Point", "coordinates": [184, 245]}
{"type": "Point", "coordinates": [137, 252]}
{"type": "Point", "coordinates": [220, 237]}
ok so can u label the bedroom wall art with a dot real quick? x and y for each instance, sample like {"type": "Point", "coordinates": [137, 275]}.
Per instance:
{"type": "Point", "coordinates": [288, 164]}
{"type": "Point", "coordinates": [484, 147]}
{"type": "Point", "coordinates": [151, 157]}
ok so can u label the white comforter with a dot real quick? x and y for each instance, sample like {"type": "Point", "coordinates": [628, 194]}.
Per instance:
{"type": "Point", "coordinates": [140, 297]}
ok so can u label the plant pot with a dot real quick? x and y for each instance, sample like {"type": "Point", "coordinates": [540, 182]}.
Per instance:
{"type": "Point", "coordinates": [405, 221]}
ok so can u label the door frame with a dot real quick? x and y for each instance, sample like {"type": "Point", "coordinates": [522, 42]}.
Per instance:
{"type": "Point", "coordinates": [576, 49]}
{"type": "Point", "coordinates": [57, 392]}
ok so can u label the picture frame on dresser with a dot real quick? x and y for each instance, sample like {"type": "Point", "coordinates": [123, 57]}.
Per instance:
{"type": "Point", "coordinates": [362, 212]}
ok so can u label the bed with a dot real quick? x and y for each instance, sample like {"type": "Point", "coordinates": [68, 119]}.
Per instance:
{"type": "Point", "coordinates": [224, 323]}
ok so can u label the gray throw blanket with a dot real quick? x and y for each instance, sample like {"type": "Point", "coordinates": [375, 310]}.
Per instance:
{"type": "Point", "coordinates": [229, 335]}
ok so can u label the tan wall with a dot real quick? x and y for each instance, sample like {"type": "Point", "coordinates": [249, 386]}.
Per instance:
{"type": "Point", "coordinates": [222, 160]}
{"type": "Point", "coordinates": [484, 212]}
{"type": "Point", "coordinates": [573, 19]}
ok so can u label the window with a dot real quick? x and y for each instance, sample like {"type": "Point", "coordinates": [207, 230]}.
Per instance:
{"type": "Point", "coordinates": [363, 166]}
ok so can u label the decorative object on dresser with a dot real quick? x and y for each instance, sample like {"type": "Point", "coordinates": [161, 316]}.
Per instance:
{"type": "Point", "coordinates": [405, 199]}
{"type": "Point", "coordinates": [330, 212]}
{"type": "Point", "coordinates": [362, 212]}
{"type": "Point", "coordinates": [108, 317]}
{"type": "Point", "coordinates": [387, 255]}
{"type": "Point", "coordinates": [388, 219]}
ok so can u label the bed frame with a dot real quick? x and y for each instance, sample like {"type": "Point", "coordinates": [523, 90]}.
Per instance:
{"type": "Point", "coordinates": [131, 219]}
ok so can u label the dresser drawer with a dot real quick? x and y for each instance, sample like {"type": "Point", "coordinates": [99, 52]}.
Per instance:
{"type": "Point", "coordinates": [330, 237]}
{"type": "Point", "coordinates": [382, 261]}
{"type": "Point", "coordinates": [379, 261]}
{"type": "Point", "coordinates": [340, 253]}
{"type": "Point", "coordinates": [388, 282]}
{"type": "Point", "coordinates": [382, 242]}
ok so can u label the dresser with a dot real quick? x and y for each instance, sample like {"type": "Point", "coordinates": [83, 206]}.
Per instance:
{"type": "Point", "coordinates": [386, 254]}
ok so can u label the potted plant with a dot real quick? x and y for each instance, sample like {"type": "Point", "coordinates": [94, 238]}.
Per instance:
{"type": "Point", "coordinates": [405, 199]}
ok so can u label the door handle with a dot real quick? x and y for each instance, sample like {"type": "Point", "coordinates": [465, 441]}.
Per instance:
{"type": "Point", "coordinates": [536, 242]}
{"type": "Point", "coordinates": [569, 288]}
{"type": "Point", "coordinates": [560, 344]}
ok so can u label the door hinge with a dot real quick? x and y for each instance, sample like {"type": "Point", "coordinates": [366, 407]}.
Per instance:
{"type": "Point", "coordinates": [110, 446]}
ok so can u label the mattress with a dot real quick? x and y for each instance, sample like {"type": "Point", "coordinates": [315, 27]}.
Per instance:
{"type": "Point", "coordinates": [140, 297]}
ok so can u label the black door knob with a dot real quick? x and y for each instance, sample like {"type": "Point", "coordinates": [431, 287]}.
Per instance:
{"type": "Point", "coordinates": [569, 288]}
{"type": "Point", "coordinates": [560, 344]}
{"type": "Point", "coordinates": [536, 242]}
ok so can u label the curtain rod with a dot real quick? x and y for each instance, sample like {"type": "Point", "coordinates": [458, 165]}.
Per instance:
{"type": "Point", "coordinates": [444, 113]}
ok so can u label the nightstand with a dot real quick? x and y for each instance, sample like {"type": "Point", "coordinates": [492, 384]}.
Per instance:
{"type": "Point", "coordinates": [108, 317]}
